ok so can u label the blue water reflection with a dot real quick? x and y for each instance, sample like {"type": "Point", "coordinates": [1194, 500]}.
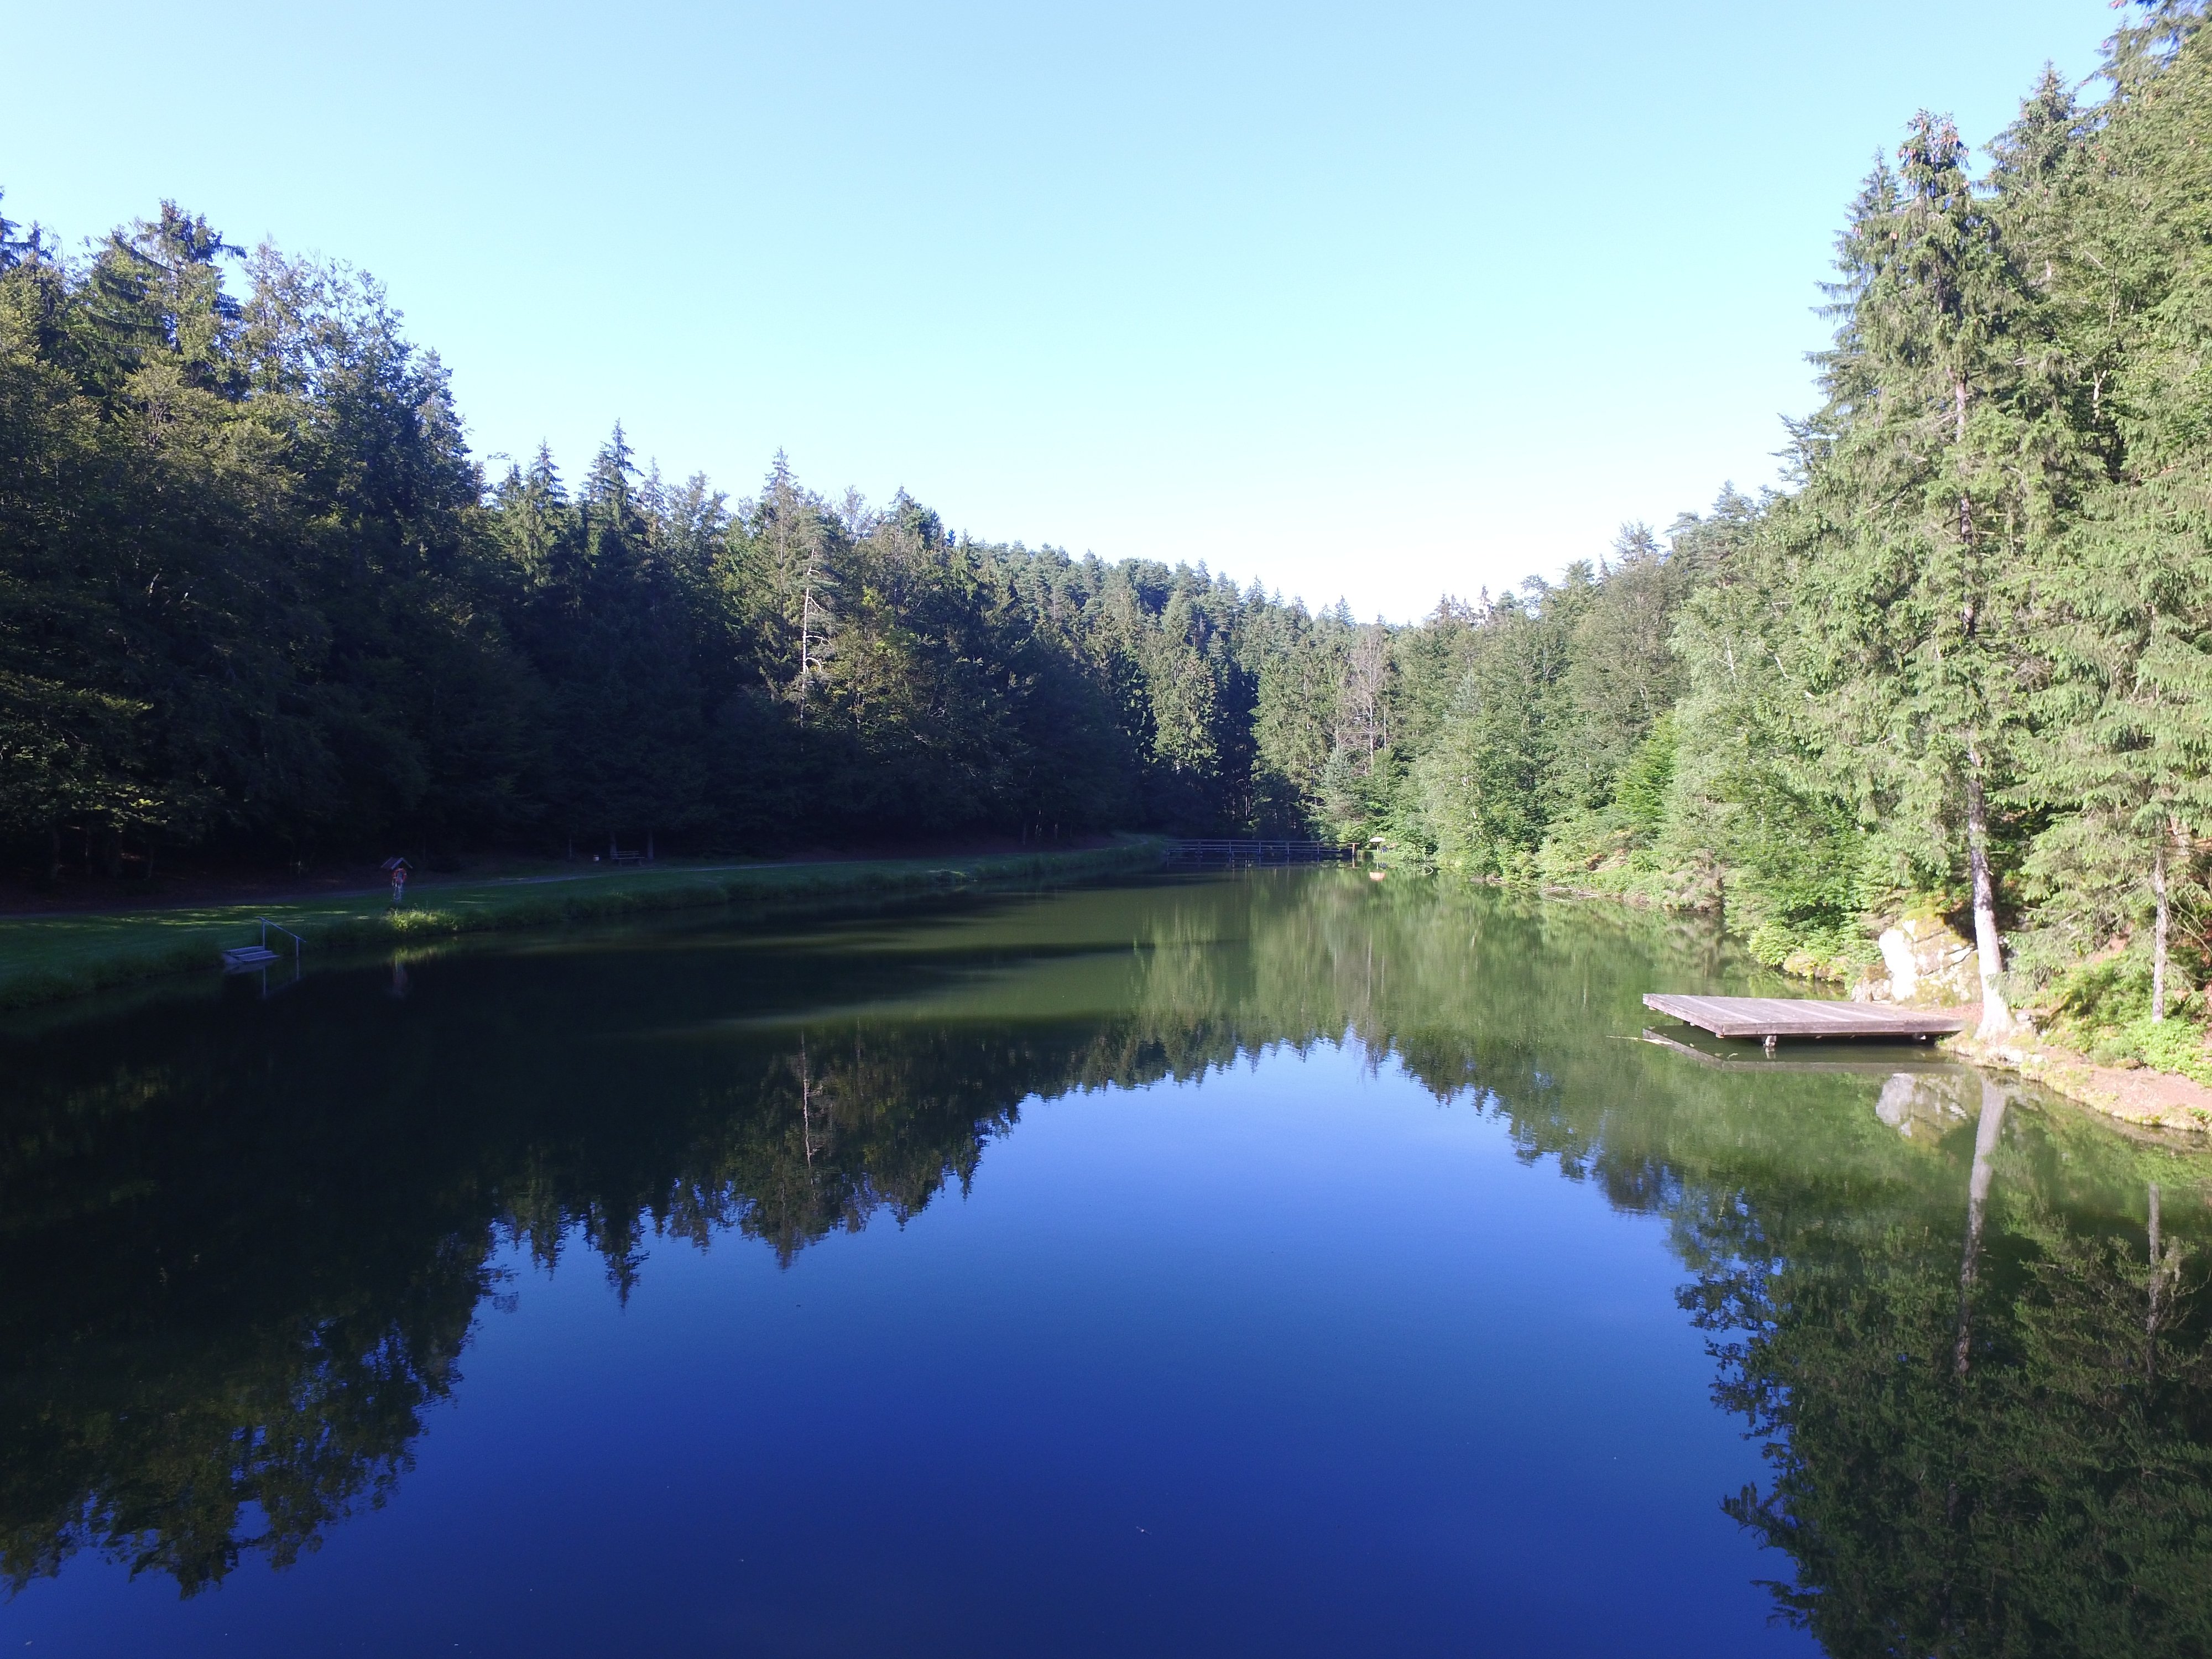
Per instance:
{"type": "Point", "coordinates": [1295, 1360]}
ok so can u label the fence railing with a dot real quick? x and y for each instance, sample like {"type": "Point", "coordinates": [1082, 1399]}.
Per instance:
{"type": "Point", "coordinates": [1257, 851]}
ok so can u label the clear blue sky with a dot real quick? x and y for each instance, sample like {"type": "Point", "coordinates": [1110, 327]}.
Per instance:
{"type": "Point", "coordinates": [1377, 302]}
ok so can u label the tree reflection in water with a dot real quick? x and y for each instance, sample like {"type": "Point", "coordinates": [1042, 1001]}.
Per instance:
{"type": "Point", "coordinates": [2018, 1460]}
{"type": "Point", "coordinates": [242, 1244]}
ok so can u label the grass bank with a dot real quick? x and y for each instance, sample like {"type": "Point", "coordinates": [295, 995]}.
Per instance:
{"type": "Point", "coordinates": [47, 957]}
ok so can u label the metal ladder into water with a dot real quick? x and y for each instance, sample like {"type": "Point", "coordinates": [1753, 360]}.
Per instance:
{"type": "Point", "coordinates": [257, 959]}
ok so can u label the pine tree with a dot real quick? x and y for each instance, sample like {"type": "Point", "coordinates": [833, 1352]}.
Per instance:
{"type": "Point", "coordinates": [1918, 515]}
{"type": "Point", "coordinates": [2125, 747]}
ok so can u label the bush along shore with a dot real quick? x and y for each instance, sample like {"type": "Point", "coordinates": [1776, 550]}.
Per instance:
{"type": "Point", "coordinates": [47, 957]}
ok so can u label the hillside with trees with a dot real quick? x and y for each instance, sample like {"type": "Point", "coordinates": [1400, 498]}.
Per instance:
{"type": "Point", "coordinates": [257, 596]}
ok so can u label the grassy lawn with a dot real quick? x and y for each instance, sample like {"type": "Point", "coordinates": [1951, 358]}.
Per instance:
{"type": "Point", "coordinates": [45, 958]}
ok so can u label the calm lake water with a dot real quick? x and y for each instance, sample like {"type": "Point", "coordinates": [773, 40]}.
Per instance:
{"type": "Point", "coordinates": [1279, 1264]}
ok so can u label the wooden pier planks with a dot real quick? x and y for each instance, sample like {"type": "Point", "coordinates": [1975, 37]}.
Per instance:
{"type": "Point", "coordinates": [1799, 1017]}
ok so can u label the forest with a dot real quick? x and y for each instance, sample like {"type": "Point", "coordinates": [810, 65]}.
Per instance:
{"type": "Point", "coordinates": [258, 600]}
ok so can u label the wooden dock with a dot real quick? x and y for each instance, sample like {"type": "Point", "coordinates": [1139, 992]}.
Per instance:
{"type": "Point", "coordinates": [1768, 1018]}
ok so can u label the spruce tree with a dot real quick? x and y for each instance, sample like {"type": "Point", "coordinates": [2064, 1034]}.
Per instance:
{"type": "Point", "coordinates": [1917, 518]}
{"type": "Point", "coordinates": [2125, 727]}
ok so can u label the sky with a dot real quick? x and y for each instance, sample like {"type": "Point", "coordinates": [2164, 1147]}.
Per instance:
{"type": "Point", "coordinates": [1374, 303]}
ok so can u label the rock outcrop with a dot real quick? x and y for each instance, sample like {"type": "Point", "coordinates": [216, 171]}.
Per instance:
{"type": "Point", "coordinates": [1924, 963]}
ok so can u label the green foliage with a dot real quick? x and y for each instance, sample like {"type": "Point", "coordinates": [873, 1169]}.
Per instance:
{"type": "Point", "coordinates": [2103, 1008]}
{"type": "Point", "coordinates": [1646, 782]}
{"type": "Point", "coordinates": [1978, 627]}
{"type": "Point", "coordinates": [255, 591]}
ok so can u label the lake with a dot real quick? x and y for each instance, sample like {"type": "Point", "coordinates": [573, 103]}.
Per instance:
{"type": "Point", "coordinates": [1287, 1262]}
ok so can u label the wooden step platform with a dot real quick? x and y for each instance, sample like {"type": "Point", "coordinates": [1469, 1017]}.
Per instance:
{"type": "Point", "coordinates": [247, 958]}
{"type": "Point", "coordinates": [1804, 1017]}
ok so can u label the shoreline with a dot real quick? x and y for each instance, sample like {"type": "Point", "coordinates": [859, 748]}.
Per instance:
{"type": "Point", "coordinates": [46, 959]}
{"type": "Point", "coordinates": [53, 958]}
{"type": "Point", "coordinates": [2139, 1096]}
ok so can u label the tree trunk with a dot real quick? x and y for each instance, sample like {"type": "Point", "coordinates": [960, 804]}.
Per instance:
{"type": "Point", "coordinates": [1986, 1130]}
{"type": "Point", "coordinates": [2152, 1320]}
{"type": "Point", "coordinates": [1965, 501]}
{"type": "Point", "coordinates": [1989, 945]}
{"type": "Point", "coordinates": [2157, 887]}
{"type": "Point", "coordinates": [53, 852]}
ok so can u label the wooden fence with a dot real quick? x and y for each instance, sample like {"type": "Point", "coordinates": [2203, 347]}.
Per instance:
{"type": "Point", "coordinates": [1237, 853]}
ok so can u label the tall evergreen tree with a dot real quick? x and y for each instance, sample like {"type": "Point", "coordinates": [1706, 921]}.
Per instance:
{"type": "Point", "coordinates": [1916, 525]}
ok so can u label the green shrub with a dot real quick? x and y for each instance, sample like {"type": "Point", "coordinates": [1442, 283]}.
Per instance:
{"type": "Point", "coordinates": [2102, 1009]}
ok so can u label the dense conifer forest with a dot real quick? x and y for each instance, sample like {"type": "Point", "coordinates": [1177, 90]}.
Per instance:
{"type": "Point", "coordinates": [256, 595]}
